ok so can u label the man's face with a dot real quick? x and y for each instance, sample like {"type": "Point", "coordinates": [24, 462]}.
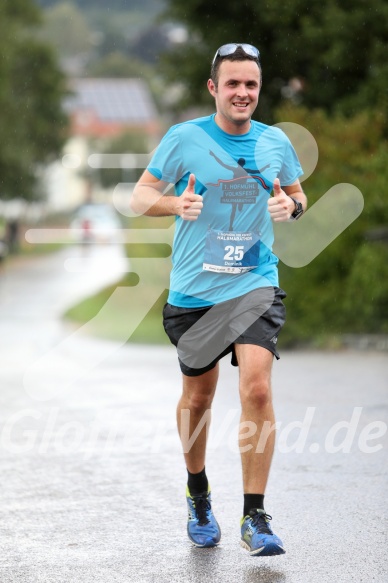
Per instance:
{"type": "Point", "coordinates": [237, 94]}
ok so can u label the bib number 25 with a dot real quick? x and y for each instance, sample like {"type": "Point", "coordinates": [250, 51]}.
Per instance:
{"type": "Point", "coordinates": [234, 253]}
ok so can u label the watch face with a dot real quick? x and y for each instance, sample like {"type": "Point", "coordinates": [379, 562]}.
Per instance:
{"type": "Point", "coordinates": [299, 209]}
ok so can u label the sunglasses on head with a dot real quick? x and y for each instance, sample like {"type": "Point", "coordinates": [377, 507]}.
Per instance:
{"type": "Point", "coordinates": [231, 48]}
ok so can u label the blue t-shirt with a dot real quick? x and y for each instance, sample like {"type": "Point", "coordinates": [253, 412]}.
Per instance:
{"type": "Point", "coordinates": [234, 174]}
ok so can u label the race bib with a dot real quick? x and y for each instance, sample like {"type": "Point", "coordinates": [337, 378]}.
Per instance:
{"type": "Point", "coordinates": [231, 252]}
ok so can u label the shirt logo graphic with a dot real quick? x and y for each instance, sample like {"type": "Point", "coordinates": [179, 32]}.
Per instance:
{"type": "Point", "coordinates": [242, 188]}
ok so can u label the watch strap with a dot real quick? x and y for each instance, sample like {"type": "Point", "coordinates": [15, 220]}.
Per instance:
{"type": "Point", "coordinates": [298, 208]}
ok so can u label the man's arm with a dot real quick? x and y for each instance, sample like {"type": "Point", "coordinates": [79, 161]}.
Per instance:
{"type": "Point", "coordinates": [148, 199]}
{"type": "Point", "coordinates": [281, 206]}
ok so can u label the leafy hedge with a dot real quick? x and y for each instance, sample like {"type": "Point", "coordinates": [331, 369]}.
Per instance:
{"type": "Point", "coordinates": [345, 289]}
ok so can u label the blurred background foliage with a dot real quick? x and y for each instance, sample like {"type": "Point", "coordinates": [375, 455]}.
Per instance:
{"type": "Point", "coordinates": [32, 122]}
{"type": "Point", "coordinates": [324, 67]}
{"type": "Point", "coordinates": [336, 49]}
{"type": "Point", "coordinates": [345, 289]}
{"type": "Point", "coordinates": [134, 142]}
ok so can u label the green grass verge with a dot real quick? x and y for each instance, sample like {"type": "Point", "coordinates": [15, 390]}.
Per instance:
{"type": "Point", "coordinates": [39, 249]}
{"type": "Point", "coordinates": [115, 311]}
{"type": "Point", "coordinates": [107, 314]}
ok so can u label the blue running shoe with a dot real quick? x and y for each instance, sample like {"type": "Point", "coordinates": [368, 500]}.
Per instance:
{"type": "Point", "coordinates": [202, 527]}
{"type": "Point", "coordinates": [257, 536]}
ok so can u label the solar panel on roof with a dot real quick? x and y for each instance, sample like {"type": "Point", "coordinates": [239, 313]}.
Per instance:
{"type": "Point", "coordinates": [114, 100]}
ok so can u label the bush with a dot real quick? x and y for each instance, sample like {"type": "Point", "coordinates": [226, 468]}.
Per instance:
{"type": "Point", "coordinates": [345, 289]}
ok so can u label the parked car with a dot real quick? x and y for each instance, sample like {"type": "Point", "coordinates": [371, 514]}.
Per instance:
{"type": "Point", "coordinates": [96, 223]}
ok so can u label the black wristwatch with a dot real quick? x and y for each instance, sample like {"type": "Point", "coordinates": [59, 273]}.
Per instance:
{"type": "Point", "coordinates": [298, 212]}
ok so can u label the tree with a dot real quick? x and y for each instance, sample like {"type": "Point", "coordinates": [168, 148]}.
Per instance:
{"type": "Point", "coordinates": [337, 49]}
{"type": "Point", "coordinates": [118, 65]}
{"type": "Point", "coordinates": [65, 28]}
{"type": "Point", "coordinates": [32, 124]}
{"type": "Point", "coordinates": [345, 288]}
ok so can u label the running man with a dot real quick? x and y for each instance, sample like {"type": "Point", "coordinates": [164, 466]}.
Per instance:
{"type": "Point", "coordinates": [224, 292]}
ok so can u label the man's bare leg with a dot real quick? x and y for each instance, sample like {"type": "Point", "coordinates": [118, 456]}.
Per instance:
{"type": "Point", "coordinates": [195, 402]}
{"type": "Point", "coordinates": [193, 417]}
{"type": "Point", "coordinates": [256, 447]}
{"type": "Point", "coordinates": [255, 364]}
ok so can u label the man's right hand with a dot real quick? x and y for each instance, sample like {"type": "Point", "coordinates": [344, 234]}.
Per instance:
{"type": "Point", "coordinates": [190, 204]}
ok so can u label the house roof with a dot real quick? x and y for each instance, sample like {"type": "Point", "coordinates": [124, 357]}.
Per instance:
{"type": "Point", "coordinates": [126, 101]}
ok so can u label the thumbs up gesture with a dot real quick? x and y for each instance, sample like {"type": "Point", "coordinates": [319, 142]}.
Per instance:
{"type": "Point", "coordinates": [280, 206]}
{"type": "Point", "coordinates": [277, 191]}
{"type": "Point", "coordinates": [190, 204]}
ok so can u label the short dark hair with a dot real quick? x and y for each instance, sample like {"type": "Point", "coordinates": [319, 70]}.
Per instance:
{"type": "Point", "coordinates": [238, 55]}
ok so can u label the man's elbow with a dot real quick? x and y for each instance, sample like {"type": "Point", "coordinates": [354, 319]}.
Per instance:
{"type": "Point", "coordinates": [134, 203]}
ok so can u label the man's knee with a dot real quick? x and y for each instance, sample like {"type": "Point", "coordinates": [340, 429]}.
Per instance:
{"type": "Point", "coordinates": [198, 392]}
{"type": "Point", "coordinates": [256, 392]}
{"type": "Point", "coordinates": [198, 403]}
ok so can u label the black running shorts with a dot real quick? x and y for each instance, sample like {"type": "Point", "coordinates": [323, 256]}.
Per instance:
{"type": "Point", "coordinates": [204, 335]}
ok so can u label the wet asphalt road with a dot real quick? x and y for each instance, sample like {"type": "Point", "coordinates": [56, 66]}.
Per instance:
{"type": "Point", "coordinates": [93, 480]}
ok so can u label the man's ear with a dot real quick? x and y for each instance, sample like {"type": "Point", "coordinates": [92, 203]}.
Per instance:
{"type": "Point", "coordinates": [211, 87]}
